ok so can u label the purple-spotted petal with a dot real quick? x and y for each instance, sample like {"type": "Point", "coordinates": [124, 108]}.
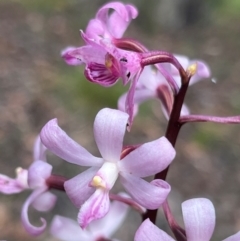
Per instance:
{"type": "Point", "coordinates": [148, 159]}
{"type": "Point", "coordinates": [150, 232]}
{"type": "Point", "coordinates": [78, 189]}
{"type": "Point", "coordinates": [68, 230]}
{"type": "Point", "coordinates": [94, 208]}
{"type": "Point", "coordinates": [235, 237]}
{"type": "Point", "coordinates": [38, 173]}
{"type": "Point", "coordinates": [58, 142]}
{"type": "Point", "coordinates": [100, 74]}
{"type": "Point", "coordinates": [70, 59]}
{"type": "Point", "coordinates": [109, 130]}
{"type": "Point", "coordinates": [45, 202]}
{"type": "Point", "coordinates": [149, 195]}
{"type": "Point", "coordinates": [199, 219]}
{"type": "Point", "coordinates": [109, 224]}
{"type": "Point", "coordinates": [33, 230]}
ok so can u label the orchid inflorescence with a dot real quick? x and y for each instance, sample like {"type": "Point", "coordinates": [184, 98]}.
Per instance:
{"type": "Point", "coordinates": [108, 57]}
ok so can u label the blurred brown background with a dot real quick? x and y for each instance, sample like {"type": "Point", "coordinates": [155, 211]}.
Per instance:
{"type": "Point", "coordinates": [36, 85]}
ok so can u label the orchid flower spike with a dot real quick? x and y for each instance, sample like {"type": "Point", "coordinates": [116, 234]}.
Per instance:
{"type": "Point", "coordinates": [90, 189]}
{"type": "Point", "coordinates": [153, 85]}
{"type": "Point", "coordinates": [68, 230]}
{"type": "Point", "coordinates": [199, 220]}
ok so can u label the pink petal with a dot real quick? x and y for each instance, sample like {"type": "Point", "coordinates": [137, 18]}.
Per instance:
{"type": "Point", "coordinates": [68, 58]}
{"type": "Point", "coordinates": [235, 237]}
{"type": "Point", "coordinates": [117, 24]}
{"type": "Point", "coordinates": [141, 95]}
{"type": "Point", "coordinates": [184, 110]}
{"type": "Point", "coordinates": [93, 53]}
{"type": "Point", "coordinates": [183, 60]}
{"type": "Point", "coordinates": [109, 224]}
{"type": "Point", "coordinates": [38, 173]}
{"type": "Point", "coordinates": [126, 12]}
{"type": "Point", "coordinates": [199, 219]}
{"type": "Point", "coordinates": [148, 159]}
{"type": "Point", "coordinates": [58, 142]}
{"type": "Point", "coordinates": [150, 232]}
{"type": "Point", "coordinates": [149, 195]}
{"type": "Point", "coordinates": [109, 130]}
{"type": "Point", "coordinates": [35, 231]}
{"type": "Point", "coordinates": [150, 79]}
{"type": "Point", "coordinates": [22, 177]}
{"type": "Point", "coordinates": [39, 150]}
{"type": "Point", "coordinates": [78, 189]}
{"type": "Point", "coordinates": [129, 105]}
{"type": "Point", "coordinates": [95, 29]}
{"type": "Point", "coordinates": [9, 185]}
{"type": "Point", "coordinates": [203, 71]}
{"type": "Point", "coordinates": [94, 208]}
{"type": "Point", "coordinates": [68, 230]}
{"type": "Point", "coordinates": [45, 202]}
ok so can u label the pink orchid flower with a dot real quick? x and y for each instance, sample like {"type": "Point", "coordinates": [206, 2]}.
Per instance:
{"type": "Point", "coordinates": [105, 63]}
{"type": "Point", "coordinates": [199, 219]}
{"type": "Point", "coordinates": [90, 189]}
{"type": "Point", "coordinates": [105, 26]}
{"type": "Point", "coordinates": [68, 230]}
{"type": "Point", "coordinates": [32, 179]}
{"type": "Point", "coordinates": [152, 84]}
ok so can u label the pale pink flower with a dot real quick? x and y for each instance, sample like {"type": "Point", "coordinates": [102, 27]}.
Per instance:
{"type": "Point", "coordinates": [32, 179]}
{"type": "Point", "coordinates": [199, 219]}
{"type": "Point", "coordinates": [90, 189]}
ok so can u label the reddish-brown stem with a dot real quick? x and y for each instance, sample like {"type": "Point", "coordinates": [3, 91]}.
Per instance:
{"type": "Point", "coordinates": [174, 125]}
{"type": "Point", "coordinates": [156, 57]}
{"type": "Point", "coordinates": [172, 132]}
{"type": "Point", "coordinates": [130, 44]}
{"type": "Point", "coordinates": [56, 182]}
